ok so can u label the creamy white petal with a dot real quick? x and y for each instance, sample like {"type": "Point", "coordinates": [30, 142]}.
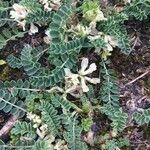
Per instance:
{"type": "Point", "coordinates": [75, 79]}
{"type": "Point", "coordinates": [40, 133]}
{"type": "Point", "coordinates": [93, 80]}
{"type": "Point", "coordinates": [20, 10]}
{"type": "Point", "coordinates": [112, 41]}
{"type": "Point", "coordinates": [14, 15]}
{"type": "Point", "coordinates": [22, 24]}
{"type": "Point", "coordinates": [85, 88]}
{"type": "Point", "coordinates": [17, 7]}
{"type": "Point", "coordinates": [91, 69]}
{"type": "Point", "coordinates": [33, 29]}
{"type": "Point", "coordinates": [84, 64]}
{"type": "Point", "coordinates": [71, 89]}
{"type": "Point", "coordinates": [109, 47]}
{"type": "Point", "coordinates": [68, 73]}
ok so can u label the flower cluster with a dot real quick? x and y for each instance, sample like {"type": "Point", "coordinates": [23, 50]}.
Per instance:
{"type": "Point", "coordinates": [19, 14]}
{"type": "Point", "coordinates": [92, 12]}
{"type": "Point", "coordinates": [78, 81]}
{"type": "Point", "coordinates": [109, 41]}
{"type": "Point", "coordinates": [110, 44]}
{"type": "Point", "coordinates": [35, 119]}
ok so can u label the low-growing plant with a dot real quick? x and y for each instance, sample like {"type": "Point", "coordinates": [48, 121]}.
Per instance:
{"type": "Point", "coordinates": [56, 102]}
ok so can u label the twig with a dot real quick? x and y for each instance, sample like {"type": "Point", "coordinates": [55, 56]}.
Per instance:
{"type": "Point", "coordinates": [139, 77]}
{"type": "Point", "coordinates": [9, 124]}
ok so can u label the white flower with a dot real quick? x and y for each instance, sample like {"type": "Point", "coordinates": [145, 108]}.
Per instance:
{"type": "Point", "coordinates": [109, 39]}
{"type": "Point", "coordinates": [84, 71]}
{"type": "Point", "coordinates": [42, 131]}
{"type": "Point", "coordinates": [84, 65]}
{"type": "Point", "coordinates": [47, 39]}
{"type": "Point", "coordinates": [60, 145]}
{"type": "Point", "coordinates": [95, 37]}
{"type": "Point", "coordinates": [35, 125]}
{"type": "Point", "coordinates": [127, 1]}
{"type": "Point", "coordinates": [30, 116]}
{"type": "Point", "coordinates": [49, 138]}
{"type": "Point", "coordinates": [110, 44]}
{"type": "Point", "coordinates": [35, 119]}
{"type": "Point", "coordinates": [100, 16]}
{"type": "Point", "coordinates": [73, 78]}
{"type": "Point", "coordinates": [19, 14]}
{"type": "Point", "coordinates": [75, 81]}
{"type": "Point", "coordinates": [33, 29]}
{"type": "Point", "coordinates": [80, 30]}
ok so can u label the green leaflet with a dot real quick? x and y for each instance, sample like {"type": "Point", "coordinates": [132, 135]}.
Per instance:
{"type": "Point", "coordinates": [119, 143]}
{"type": "Point", "coordinates": [39, 17]}
{"type": "Point", "coordinates": [43, 77]}
{"type": "Point", "coordinates": [14, 62]}
{"type": "Point", "coordinates": [139, 9]}
{"type": "Point", "coordinates": [41, 145]}
{"type": "Point", "coordinates": [33, 5]}
{"type": "Point", "coordinates": [11, 95]}
{"type": "Point", "coordinates": [142, 117]}
{"type": "Point", "coordinates": [72, 136]}
{"type": "Point", "coordinates": [114, 27]}
{"type": "Point", "coordinates": [72, 46]}
{"type": "Point", "coordinates": [109, 92]}
{"type": "Point", "coordinates": [59, 19]}
{"type": "Point", "coordinates": [58, 101]}
{"type": "Point", "coordinates": [50, 117]}
{"type": "Point", "coordinates": [117, 116]}
{"type": "Point", "coordinates": [24, 128]}
{"type": "Point", "coordinates": [10, 104]}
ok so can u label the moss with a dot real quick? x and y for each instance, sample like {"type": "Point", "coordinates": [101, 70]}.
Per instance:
{"type": "Point", "coordinates": [5, 74]}
{"type": "Point", "coordinates": [146, 132]}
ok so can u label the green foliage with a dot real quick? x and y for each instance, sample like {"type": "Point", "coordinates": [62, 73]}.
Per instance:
{"type": "Point", "coordinates": [117, 116]}
{"type": "Point", "coordinates": [110, 96]}
{"type": "Point", "coordinates": [24, 129]}
{"type": "Point", "coordinates": [1, 143]}
{"type": "Point", "coordinates": [89, 9]}
{"type": "Point", "coordinates": [86, 124]}
{"type": "Point", "coordinates": [114, 26]}
{"type": "Point", "coordinates": [40, 17]}
{"type": "Point", "coordinates": [50, 117]}
{"type": "Point", "coordinates": [58, 22]}
{"type": "Point", "coordinates": [16, 88]}
{"type": "Point", "coordinates": [40, 145]}
{"type": "Point", "coordinates": [33, 5]}
{"type": "Point", "coordinates": [14, 62]}
{"type": "Point", "coordinates": [9, 35]}
{"type": "Point", "coordinates": [3, 16]}
{"type": "Point", "coordinates": [114, 144]}
{"type": "Point", "coordinates": [10, 104]}
{"type": "Point", "coordinates": [109, 92]}
{"type": "Point", "coordinates": [142, 117]}
{"type": "Point", "coordinates": [41, 77]}
{"type": "Point", "coordinates": [58, 102]}
{"type": "Point", "coordinates": [73, 46]}
{"type": "Point", "coordinates": [139, 9]}
{"type": "Point", "coordinates": [67, 117]}
{"type": "Point", "coordinates": [72, 136]}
